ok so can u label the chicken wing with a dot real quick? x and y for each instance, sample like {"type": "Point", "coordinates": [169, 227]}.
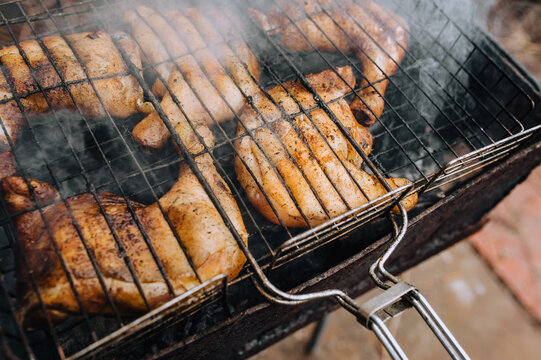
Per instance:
{"type": "Point", "coordinates": [375, 35]}
{"type": "Point", "coordinates": [306, 156]}
{"type": "Point", "coordinates": [208, 74]}
{"type": "Point", "coordinates": [208, 241]}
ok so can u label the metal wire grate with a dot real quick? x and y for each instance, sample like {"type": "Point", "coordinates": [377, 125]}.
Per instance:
{"type": "Point", "coordinates": [454, 105]}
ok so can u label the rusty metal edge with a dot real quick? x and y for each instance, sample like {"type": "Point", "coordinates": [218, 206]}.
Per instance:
{"type": "Point", "coordinates": [161, 315]}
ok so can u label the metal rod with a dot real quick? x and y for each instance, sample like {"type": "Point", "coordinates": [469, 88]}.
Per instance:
{"type": "Point", "coordinates": [317, 333]}
{"type": "Point", "coordinates": [443, 334]}
{"type": "Point", "coordinates": [387, 339]}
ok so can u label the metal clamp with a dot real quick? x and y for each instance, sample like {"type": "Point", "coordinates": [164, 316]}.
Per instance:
{"type": "Point", "coordinates": [396, 299]}
{"type": "Point", "coordinates": [391, 303]}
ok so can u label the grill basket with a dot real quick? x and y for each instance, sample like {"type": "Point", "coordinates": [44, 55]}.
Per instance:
{"type": "Point", "coordinates": [456, 104]}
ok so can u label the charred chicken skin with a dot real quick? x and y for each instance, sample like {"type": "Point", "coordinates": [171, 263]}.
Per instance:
{"type": "Point", "coordinates": [209, 243]}
{"type": "Point", "coordinates": [375, 35]}
{"type": "Point", "coordinates": [12, 121]}
{"type": "Point", "coordinates": [121, 94]}
{"type": "Point", "coordinates": [203, 72]}
{"type": "Point", "coordinates": [308, 155]}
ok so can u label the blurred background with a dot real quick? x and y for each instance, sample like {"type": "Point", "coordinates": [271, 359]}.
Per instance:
{"type": "Point", "coordinates": [487, 288]}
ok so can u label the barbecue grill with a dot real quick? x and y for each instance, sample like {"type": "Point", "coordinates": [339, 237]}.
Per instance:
{"type": "Point", "coordinates": [460, 117]}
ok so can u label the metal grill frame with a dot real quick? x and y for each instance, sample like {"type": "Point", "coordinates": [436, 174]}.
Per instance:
{"type": "Point", "coordinates": [298, 245]}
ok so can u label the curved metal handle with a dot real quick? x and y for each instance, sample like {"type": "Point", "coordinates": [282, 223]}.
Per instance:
{"type": "Point", "coordinates": [399, 297]}
{"type": "Point", "coordinates": [399, 233]}
{"type": "Point", "coordinates": [391, 303]}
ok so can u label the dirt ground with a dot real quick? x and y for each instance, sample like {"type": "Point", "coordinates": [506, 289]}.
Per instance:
{"type": "Point", "coordinates": [485, 315]}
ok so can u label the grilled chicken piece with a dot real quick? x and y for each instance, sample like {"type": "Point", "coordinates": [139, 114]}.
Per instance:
{"type": "Point", "coordinates": [322, 170]}
{"type": "Point", "coordinates": [11, 122]}
{"type": "Point", "coordinates": [208, 242]}
{"type": "Point", "coordinates": [207, 74]}
{"type": "Point", "coordinates": [377, 36]}
{"type": "Point", "coordinates": [7, 164]}
{"type": "Point", "coordinates": [120, 93]}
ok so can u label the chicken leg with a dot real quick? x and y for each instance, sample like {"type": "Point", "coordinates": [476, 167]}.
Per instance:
{"type": "Point", "coordinates": [203, 87]}
{"type": "Point", "coordinates": [375, 35]}
{"type": "Point", "coordinates": [308, 155]}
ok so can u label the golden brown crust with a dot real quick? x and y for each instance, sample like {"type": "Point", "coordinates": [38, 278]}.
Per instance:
{"type": "Point", "coordinates": [120, 93]}
{"type": "Point", "coordinates": [207, 82]}
{"type": "Point", "coordinates": [377, 36]}
{"type": "Point", "coordinates": [208, 242]}
{"type": "Point", "coordinates": [307, 153]}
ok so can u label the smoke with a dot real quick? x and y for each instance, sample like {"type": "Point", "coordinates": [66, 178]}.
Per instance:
{"type": "Point", "coordinates": [428, 98]}
{"type": "Point", "coordinates": [76, 154]}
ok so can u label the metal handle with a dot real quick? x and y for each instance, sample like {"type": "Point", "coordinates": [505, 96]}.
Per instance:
{"type": "Point", "coordinates": [391, 303]}
{"type": "Point", "coordinates": [398, 298]}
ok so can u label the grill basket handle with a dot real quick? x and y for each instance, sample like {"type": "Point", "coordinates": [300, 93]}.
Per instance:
{"type": "Point", "coordinates": [396, 297]}
{"type": "Point", "coordinates": [391, 303]}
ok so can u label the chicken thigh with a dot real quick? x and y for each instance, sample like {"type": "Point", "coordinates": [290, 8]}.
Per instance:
{"type": "Point", "coordinates": [117, 92]}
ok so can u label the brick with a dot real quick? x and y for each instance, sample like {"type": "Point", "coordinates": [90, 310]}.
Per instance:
{"type": "Point", "coordinates": [511, 242]}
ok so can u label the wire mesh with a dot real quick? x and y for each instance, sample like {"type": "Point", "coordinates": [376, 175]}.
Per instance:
{"type": "Point", "coordinates": [453, 107]}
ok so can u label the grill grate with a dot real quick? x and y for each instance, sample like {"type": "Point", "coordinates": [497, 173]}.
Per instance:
{"type": "Point", "coordinates": [454, 105]}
